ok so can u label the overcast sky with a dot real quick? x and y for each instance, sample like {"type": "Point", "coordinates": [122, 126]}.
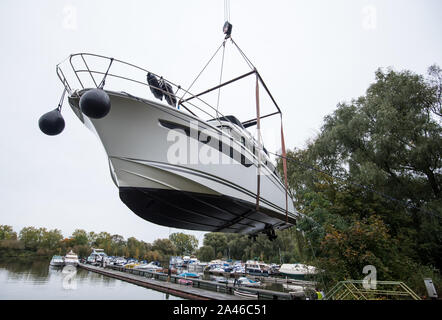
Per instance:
{"type": "Point", "coordinates": [312, 55]}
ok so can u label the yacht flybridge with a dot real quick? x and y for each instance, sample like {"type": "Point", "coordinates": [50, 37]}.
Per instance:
{"type": "Point", "coordinates": [177, 160]}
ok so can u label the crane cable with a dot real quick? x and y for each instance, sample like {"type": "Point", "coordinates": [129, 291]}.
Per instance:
{"type": "Point", "coordinates": [226, 10]}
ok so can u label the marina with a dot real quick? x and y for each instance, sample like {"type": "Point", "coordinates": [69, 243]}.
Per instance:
{"type": "Point", "coordinates": [199, 289]}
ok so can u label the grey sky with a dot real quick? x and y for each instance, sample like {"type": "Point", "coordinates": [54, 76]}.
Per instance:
{"type": "Point", "coordinates": [312, 55]}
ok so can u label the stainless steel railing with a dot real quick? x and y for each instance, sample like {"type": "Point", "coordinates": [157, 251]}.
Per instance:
{"type": "Point", "coordinates": [80, 68]}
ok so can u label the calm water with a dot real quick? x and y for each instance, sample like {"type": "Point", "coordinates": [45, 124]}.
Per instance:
{"type": "Point", "coordinates": [35, 279]}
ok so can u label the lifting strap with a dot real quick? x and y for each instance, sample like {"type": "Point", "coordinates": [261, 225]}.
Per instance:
{"type": "Point", "coordinates": [258, 128]}
{"type": "Point", "coordinates": [284, 166]}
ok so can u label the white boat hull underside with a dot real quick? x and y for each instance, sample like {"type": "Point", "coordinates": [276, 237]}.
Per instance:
{"type": "Point", "coordinates": [216, 197]}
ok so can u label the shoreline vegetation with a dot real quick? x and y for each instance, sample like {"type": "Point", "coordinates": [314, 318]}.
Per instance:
{"type": "Point", "coordinates": [369, 186]}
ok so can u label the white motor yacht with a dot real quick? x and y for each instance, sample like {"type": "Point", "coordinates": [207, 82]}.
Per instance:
{"type": "Point", "coordinates": [71, 258]}
{"type": "Point", "coordinates": [150, 267]}
{"type": "Point", "coordinates": [57, 261]}
{"type": "Point", "coordinates": [257, 268]}
{"type": "Point", "coordinates": [297, 271]}
{"type": "Point", "coordinates": [177, 162]}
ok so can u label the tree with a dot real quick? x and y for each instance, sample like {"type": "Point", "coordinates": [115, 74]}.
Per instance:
{"type": "Point", "coordinates": [117, 245]}
{"type": "Point", "coordinates": [80, 237]}
{"type": "Point", "coordinates": [165, 247]}
{"type": "Point", "coordinates": [104, 241]}
{"type": "Point", "coordinates": [91, 238]}
{"type": "Point", "coordinates": [218, 241]}
{"type": "Point", "coordinates": [7, 233]}
{"type": "Point", "coordinates": [31, 237]}
{"type": "Point", "coordinates": [51, 239]}
{"type": "Point", "coordinates": [133, 246]}
{"type": "Point", "coordinates": [370, 183]}
{"type": "Point", "coordinates": [205, 253]}
{"type": "Point", "coordinates": [185, 244]}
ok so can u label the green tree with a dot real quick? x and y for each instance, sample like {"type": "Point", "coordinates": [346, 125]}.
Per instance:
{"type": "Point", "coordinates": [80, 237]}
{"type": "Point", "coordinates": [51, 239]}
{"type": "Point", "coordinates": [118, 245]}
{"type": "Point", "coordinates": [165, 247]}
{"type": "Point", "coordinates": [206, 253]}
{"type": "Point", "coordinates": [31, 237]}
{"type": "Point", "coordinates": [133, 247]}
{"type": "Point", "coordinates": [104, 241]}
{"type": "Point", "coordinates": [370, 183]}
{"type": "Point", "coordinates": [218, 241]}
{"type": "Point", "coordinates": [91, 238]}
{"type": "Point", "coordinates": [184, 243]}
{"type": "Point", "coordinates": [7, 233]}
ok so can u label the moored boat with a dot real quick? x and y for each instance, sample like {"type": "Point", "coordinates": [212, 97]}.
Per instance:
{"type": "Point", "coordinates": [57, 261]}
{"type": "Point", "coordinates": [257, 268]}
{"type": "Point", "coordinates": [189, 275]}
{"type": "Point", "coordinates": [71, 259]}
{"type": "Point", "coordinates": [150, 267]}
{"type": "Point", "coordinates": [245, 294]}
{"type": "Point", "coordinates": [297, 271]}
{"type": "Point", "coordinates": [246, 282]}
{"type": "Point", "coordinates": [185, 282]}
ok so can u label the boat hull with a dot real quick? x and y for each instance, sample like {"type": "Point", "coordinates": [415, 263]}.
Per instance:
{"type": "Point", "coordinates": [297, 276]}
{"type": "Point", "coordinates": [245, 294]}
{"type": "Point", "coordinates": [215, 196]}
{"type": "Point", "coordinates": [71, 263]}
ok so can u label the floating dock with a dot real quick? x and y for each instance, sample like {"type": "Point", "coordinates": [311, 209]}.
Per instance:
{"type": "Point", "coordinates": [199, 290]}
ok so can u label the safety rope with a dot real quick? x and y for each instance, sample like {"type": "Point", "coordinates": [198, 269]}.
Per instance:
{"type": "Point", "coordinates": [284, 166]}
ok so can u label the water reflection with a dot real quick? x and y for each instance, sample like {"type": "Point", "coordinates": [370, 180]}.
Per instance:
{"type": "Point", "coordinates": [35, 279]}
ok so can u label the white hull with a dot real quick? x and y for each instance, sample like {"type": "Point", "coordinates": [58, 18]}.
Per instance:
{"type": "Point", "coordinates": [190, 195]}
{"type": "Point", "coordinates": [297, 271]}
{"type": "Point", "coordinates": [245, 294]}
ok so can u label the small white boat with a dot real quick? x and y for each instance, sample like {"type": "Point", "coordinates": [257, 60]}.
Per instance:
{"type": "Point", "coordinates": [119, 261]}
{"type": "Point", "coordinates": [246, 282]}
{"type": "Point", "coordinates": [196, 267]}
{"type": "Point", "coordinates": [71, 259]}
{"type": "Point", "coordinates": [257, 268]}
{"type": "Point", "coordinates": [57, 261]}
{"type": "Point", "coordinates": [297, 271]}
{"type": "Point", "coordinates": [217, 270]}
{"type": "Point", "coordinates": [131, 265]}
{"type": "Point", "coordinates": [150, 267]}
{"type": "Point", "coordinates": [97, 256]}
{"type": "Point", "coordinates": [245, 294]}
{"type": "Point", "coordinates": [220, 279]}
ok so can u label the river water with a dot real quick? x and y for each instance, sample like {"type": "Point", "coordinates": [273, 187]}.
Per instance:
{"type": "Point", "coordinates": [35, 279]}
